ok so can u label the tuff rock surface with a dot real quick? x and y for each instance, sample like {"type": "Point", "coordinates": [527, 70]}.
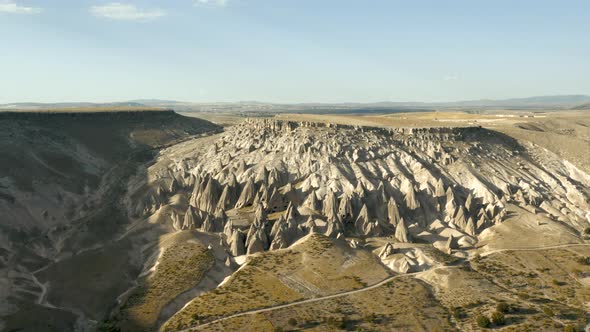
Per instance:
{"type": "Point", "coordinates": [265, 183]}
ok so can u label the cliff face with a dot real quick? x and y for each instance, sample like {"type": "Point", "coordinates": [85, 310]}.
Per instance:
{"type": "Point", "coordinates": [62, 176]}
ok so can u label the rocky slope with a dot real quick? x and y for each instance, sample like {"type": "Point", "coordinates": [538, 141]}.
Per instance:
{"type": "Point", "coordinates": [62, 176]}
{"type": "Point", "coordinates": [266, 183]}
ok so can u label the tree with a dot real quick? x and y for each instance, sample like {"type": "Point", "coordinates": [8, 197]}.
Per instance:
{"type": "Point", "coordinates": [483, 321]}
{"type": "Point", "coordinates": [292, 321]}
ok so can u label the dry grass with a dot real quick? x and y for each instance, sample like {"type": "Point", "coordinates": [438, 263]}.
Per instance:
{"type": "Point", "coordinates": [403, 304]}
{"type": "Point", "coordinates": [553, 274]}
{"type": "Point", "coordinates": [468, 294]}
{"type": "Point", "coordinates": [319, 266]}
{"type": "Point", "coordinates": [525, 280]}
{"type": "Point", "coordinates": [182, 265]}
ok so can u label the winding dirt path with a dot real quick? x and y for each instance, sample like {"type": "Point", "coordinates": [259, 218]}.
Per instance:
{"type": "Point", "coordinates": [360, 290]}
{"type": "Point", "coordinates": [535, 248]}
{"type": "Point", "coordinates": [317, 299]}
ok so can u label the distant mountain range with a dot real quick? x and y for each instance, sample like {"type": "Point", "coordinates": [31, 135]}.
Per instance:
{"type": "Point", "coordinates": [557, 102]}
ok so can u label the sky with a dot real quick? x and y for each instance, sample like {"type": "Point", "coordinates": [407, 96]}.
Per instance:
{"type": "Point", "coordinates": [290, 51]}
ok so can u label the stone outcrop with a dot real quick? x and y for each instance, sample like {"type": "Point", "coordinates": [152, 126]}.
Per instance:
{"type": "Point", "coordinates": [386, 251]}
{"type": "Point", "coordinates": [287, 179]}
{"type": "Point", "coordinates": [393, 212]}
{"type": "Point", "coordinates": [192, 219]}
{"type": "Point", "coordinates": [247, 196]}
{"type": "Point", "coordinates": [401, 232]}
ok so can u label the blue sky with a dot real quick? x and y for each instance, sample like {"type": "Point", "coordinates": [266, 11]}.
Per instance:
{"type": "Point", "coordinates": [292, 50]}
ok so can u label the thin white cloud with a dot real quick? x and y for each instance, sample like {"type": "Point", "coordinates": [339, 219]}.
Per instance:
{"type": "Point", "coordinates": [126, 12]}
{"type": "Point", "coordinates": [11, 7]}
{"type": "Point", "coordinates": [451, 78]}
{"type": "Point", "coordinates": [220, 3]}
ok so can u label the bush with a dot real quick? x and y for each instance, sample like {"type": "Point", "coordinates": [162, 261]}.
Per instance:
{"type": "Point", "coordinates": [292, 321]}
{"type": "Point", "coordinates": [498, 318]}
{"type": "Point", "coordinates": [569, 328]}
{"type": "Point", "coordinates": [587, 231]}
{"type": "Point", "coordinates": [483, 321]}
{"type": "Point", "coordinates": [503, 307]}
{"type": "Point", "coordinates": [370, 318]}
{"type": "Point", "coordinates": [548, 312]}
{"type": "Point", "coordinates": [457, 313]}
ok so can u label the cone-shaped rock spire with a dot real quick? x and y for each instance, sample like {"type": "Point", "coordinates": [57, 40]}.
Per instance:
{"type": "Point", "coordinates": [393, 212]}
{"type": "Point", "coordinates": [401, 232]}
{"type": "Point", "coordinates": [247, 195]}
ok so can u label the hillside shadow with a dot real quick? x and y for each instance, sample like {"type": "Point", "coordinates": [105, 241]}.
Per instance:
{"type": "Point", "coordinates": [84, 261]}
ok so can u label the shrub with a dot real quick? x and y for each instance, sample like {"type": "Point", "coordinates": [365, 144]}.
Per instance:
{"type": "Point", "coordinates": [503, 307]}
{"type": "Point", "coordinates": [292, 321]}
{"type": "Point", "coordinates": [548, 312]}
{"type": "Point", "coordinates": [587, 231]}
{"type": "Point", "coordinates": [483, 321]}
{"type": "Point", "coordinates": [569, 328]}
{"type": "Point", "coordinates": [457, 313]}
{"type": "Point", "coordinates": [498, 318]}
{"type": "Point", "coordinates": [370, 318]}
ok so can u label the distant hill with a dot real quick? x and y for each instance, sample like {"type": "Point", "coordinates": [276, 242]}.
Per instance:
{"type": "Point", "coordinates": [585, 106]}
{"type": "Point", "coordinates": [559, 101]}
{"type": "Point", "coordinates": [556, 102]}
{"type": "Point", "coordinates": [72, 105]}
{"type": "Point", "coordinates": [538, 102]}
{"type": "Point", "coordinates": [155, 102]}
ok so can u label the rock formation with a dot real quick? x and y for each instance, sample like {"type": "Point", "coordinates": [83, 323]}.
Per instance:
{"type": "Point", "coordinates": [356, 181]}
{"type": "Point", "coordinates": [386, 251]}
{"type": "Point", "coordinates": [191, 219]}
{"type": "Point", "coordinates": [401, 232]}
